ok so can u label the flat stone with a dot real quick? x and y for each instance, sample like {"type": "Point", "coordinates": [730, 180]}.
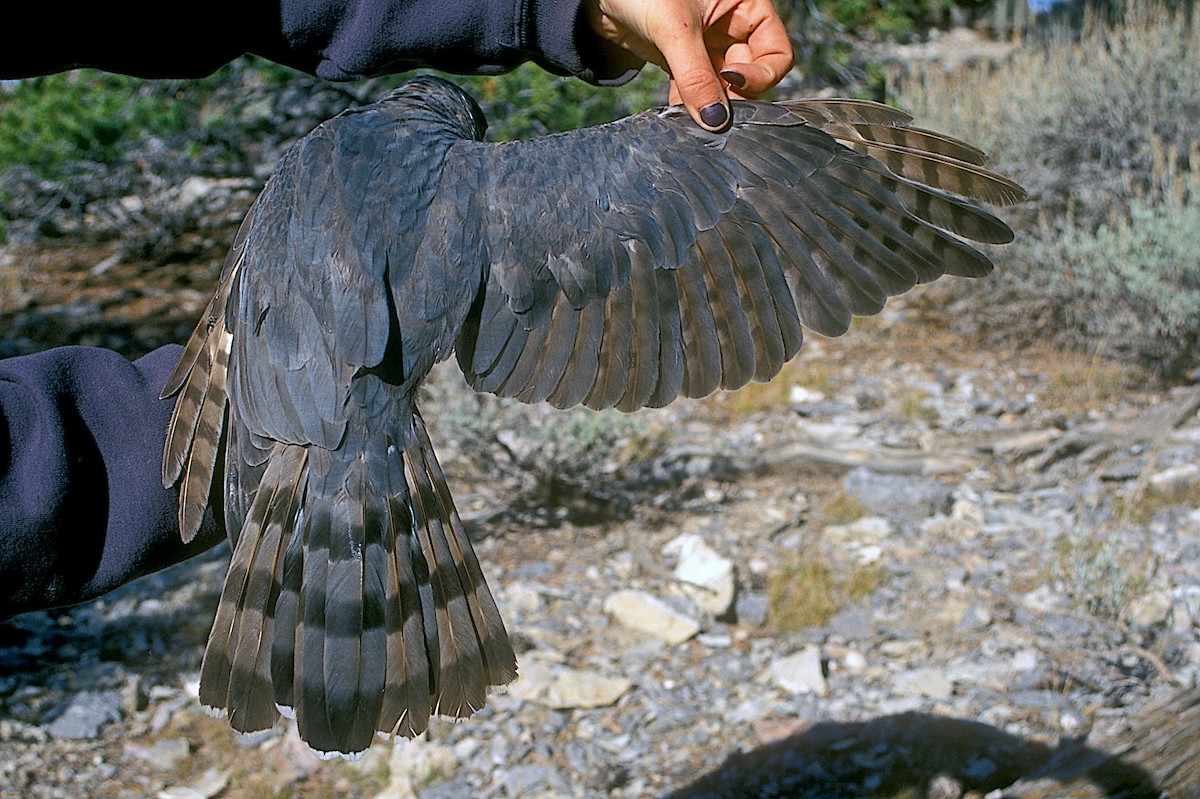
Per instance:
{"type": "Point", "coordinates": [867, 530]}
{"type": "Point", "coordinates": [561, 688]}
{"type": "Point", "coordinates": [415, 763]}
{"type": "Point", "coordinates": [898, 496]}
{"type": "Point", "coordinates": [1026, 443]}
{"type": "Point", "coordinates": [751, 608]}
{"type": "Point", "coordinates": [1150, 610]}
{"type": "Point", "coordinates": [87, 713]}
{"type": "Point", "coordinates": [519, 599]}
{"type": "Point", "coordinates": [451, 789]}
{"type": "Point", "coordinates": [162, 755]}
{"type": "Point", "coordinates": [573, 688]}
{"type": "Point", "coordinates": [973, 619]}
{"type": "Point", "coordinates": [799, 673]}
{"type": "Point", "coordinates": [1025, 660]}
{"type": "Point", "coordinates": [1176, 477]}
{"type": "Point", "coordinates": [829, 432]}
{"type": "Point", "coordinates": [799, 395]}
{"type": "Point", "coordinates": [929, 683]}
{"type": "Point", "coordinates": [648, 614]}
{"type": "Point", "coordinates": [208, 785]}
{"type": "Point", "coordinates": [706, 577]}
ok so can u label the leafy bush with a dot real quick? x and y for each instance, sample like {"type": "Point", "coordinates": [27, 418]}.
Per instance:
{"type": "Point", "coordinates": [541, 464]}
{"type": "Point", "coordinates": [1082, 118]}
{"type": "Point", "coordinates": [531, 102]}
{"type": "Point", "coordinates": [1101, 570]}
{"type": "Point", "coordinates": [889, 20]}
{"type": "Point", "coordinates": [72, 140]}
{"type": "Point", "coordinates": [1101, 128]}
{"type": "Point", "coordinates": [1134, 284]}
{"type": "Point", "coordinates": [86, 115]}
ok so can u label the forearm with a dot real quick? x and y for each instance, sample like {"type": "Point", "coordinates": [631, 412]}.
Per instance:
{"type": "Point", "coordinates": [82, 508]}
{"type": "Point", "coordinates": [333, 39]}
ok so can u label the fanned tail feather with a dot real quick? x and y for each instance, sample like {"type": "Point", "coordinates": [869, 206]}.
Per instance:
{"type": "Point", "coordinates": [354, 601]}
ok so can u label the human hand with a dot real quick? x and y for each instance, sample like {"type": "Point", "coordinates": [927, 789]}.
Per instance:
{"type": "Point", "coordinates": [693, 40]}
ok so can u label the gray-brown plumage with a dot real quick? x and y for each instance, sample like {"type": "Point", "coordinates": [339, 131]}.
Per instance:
{"type": "Point", "coordinates": [618, 266]}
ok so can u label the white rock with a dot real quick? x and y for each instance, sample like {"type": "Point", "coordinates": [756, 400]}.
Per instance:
{"type": "Point", "coordinates": [519, 599]}
{"type": "Point", "coordinates": [210, 783]}
{"type": "Point", "coordinates": [869, 554]}
{"type": "Point", "coordinates": [1176, 477]}
{"type": "Point", "coordinates": [706, 577]}
{"type": "Point", "coordinates": [799, 395]}
{"type": "Point", "coordinates": [799, 673]}
{"type": "Point", "coordinates": [163, 755]}
{"type": "Point", "coordinates": [648, 614]}
{"type": "Point", "coordinates": [867, 530]}
{"type": "Point", "coordinates": [1149, 610]}
{"type": "Point", "coordinates": [560, 687]}
{"type": "Point", "coordinates": [831, 432]}
{"type": "Point", "coordinates": [580, 688]}
{"type": "Point", "coordinates": [1025, 660]}
{"type": "Point", "coordinates": [415, 764]}
{"type": "Point", "coordinates": [929, 683]}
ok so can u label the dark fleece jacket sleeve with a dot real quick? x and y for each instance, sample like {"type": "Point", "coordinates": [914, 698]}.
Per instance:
{"type": "Point", "coordinates": [332, 39]}
{"type": "Point", "coordinates": [82, 507]}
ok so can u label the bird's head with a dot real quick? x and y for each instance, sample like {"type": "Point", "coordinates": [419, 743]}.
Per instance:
{"type": "Point", "coordinates": [436, 99]}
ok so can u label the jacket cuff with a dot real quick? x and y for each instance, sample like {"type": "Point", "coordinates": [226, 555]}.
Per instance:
{"type": "Point", "coordinates": [559, 39]}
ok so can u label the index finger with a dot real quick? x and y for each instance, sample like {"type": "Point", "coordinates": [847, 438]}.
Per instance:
{"type": "Point", "coordinates": [771, 56]}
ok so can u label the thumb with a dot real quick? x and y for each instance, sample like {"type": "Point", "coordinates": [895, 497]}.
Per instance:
{"type": "Point", "coordinates": [695, 80]}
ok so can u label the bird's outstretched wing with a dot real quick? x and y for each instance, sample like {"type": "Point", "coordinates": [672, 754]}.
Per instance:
{"type": "Point", "coordinates": [633, 262]}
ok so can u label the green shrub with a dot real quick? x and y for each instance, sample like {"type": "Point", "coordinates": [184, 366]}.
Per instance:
{"type": "Point", "coordinates": [1133, 284]}
{"type": "Point", "coordinates": [888, 20]}
{"type": "Point", "coordinates": [1101, 570]}
{"type": "Point", "coordinates": [1100, 126]}
{"type": "Point", "coordinates": [538, 463]}
{"type": "Point", "coordinates": [1082, 118]}
{"type": "Point", "coordinates": [531, 102]}
{"type": "Point", "coordinates": [85, 115]}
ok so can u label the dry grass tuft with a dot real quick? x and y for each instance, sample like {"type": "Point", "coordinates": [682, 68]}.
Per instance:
{"type": "Point", "coordinates": [808, 590]}
{"type": "Point", "coordinates": [840, 508]}
{"type": "Point", "coordinates": [1081, 383]}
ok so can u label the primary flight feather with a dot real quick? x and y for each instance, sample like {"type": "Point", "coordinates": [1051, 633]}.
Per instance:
{"type": "Point", "coordinates": [617, 266]}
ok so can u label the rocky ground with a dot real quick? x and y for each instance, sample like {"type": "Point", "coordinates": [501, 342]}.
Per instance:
{"type": "Point", "coordinates": [911, 566]}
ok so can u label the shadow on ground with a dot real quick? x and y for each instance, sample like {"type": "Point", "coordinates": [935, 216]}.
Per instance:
{"type": "Point", "coordinates": [916, 755]}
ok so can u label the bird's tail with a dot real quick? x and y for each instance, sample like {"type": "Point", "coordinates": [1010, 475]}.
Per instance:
{"type": "Point", "coordinates": [355, 600]}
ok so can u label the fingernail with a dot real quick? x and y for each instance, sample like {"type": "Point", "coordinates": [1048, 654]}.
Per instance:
{"type": "Point", "coordinates": [735, 79]}
{"type": "Point", "coordinates": [715, 115]}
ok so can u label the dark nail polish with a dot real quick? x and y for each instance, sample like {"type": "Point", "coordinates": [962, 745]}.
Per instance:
{"type": "Point", "coordinates": [715, 115]}
{"type": "Point", "coordinates": [735, 79]}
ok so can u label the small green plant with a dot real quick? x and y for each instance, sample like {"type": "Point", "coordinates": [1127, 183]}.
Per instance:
{"type": "Point", "coordinates": [808, 590]}
{"type": "Point", "coordinates": [1102, 570]}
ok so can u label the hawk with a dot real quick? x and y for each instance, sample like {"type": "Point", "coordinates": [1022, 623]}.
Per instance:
{"type": "Point", "coordinates": [617, 266]}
